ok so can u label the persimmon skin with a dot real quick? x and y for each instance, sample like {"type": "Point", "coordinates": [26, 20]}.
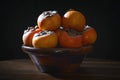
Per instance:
{"type": "Point", "coordinates": [89, 36]}
{"type": "Point", "coordinates": [45, 41]}
{"type": "Point", "coordinates": [27, 37]}
{"type": "Point", "coordinates": [49, 22]}
{"type": "Point", "coordinates": [67, 41]}
{"type": "Point", "coordinates": [58, 31]}
{"type": "Point", "coordinates": [74, 19]}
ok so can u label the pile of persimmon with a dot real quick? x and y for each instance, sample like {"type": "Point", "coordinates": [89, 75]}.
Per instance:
{"type": "Point", "coordinates": [67, 31]}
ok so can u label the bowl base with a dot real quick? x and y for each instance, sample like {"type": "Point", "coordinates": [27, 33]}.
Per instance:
{"type": "Point", "coordinates": [54, 64]}
{"type": "Point", "coordinates": [61, 69]}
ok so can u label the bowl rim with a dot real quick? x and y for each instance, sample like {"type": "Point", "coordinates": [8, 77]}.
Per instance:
{"type": "Point", "coordinates": [56, 51]}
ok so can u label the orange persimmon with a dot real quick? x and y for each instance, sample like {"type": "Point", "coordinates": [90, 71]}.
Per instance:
{"type": "Point", "coordinates": [49, 20]}
{"type": "Point", "coordinates": [45, 39]}
{"type": "Point", "coordinates": [89, 35]}
{"type": "Point", "coordinates": [68, 40]}
{"type": "Point", "coordinates": [28, 35]}
{"type": "Point", "coordinates": [74, 19]}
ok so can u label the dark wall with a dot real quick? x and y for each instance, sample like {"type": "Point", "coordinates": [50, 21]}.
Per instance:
{"type": "Point", "coordinates": [103, 15]}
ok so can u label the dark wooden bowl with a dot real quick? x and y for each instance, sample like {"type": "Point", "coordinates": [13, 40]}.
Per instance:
{"type": "Point", "coordinates": [57, 60]}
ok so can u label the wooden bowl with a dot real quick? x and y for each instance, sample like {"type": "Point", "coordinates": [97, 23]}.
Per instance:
{"type": "Point", "coordinates": [57, 60]}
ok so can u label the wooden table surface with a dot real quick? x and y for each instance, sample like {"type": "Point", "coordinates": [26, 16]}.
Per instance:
{"type": "Point", "coordinates": [90, 69]}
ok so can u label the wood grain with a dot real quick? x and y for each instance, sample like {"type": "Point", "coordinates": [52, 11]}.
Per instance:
{"type": "Point", "coordinates": [90, 69]}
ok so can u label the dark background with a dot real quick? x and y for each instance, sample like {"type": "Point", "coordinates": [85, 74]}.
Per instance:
{"type": "Point", "coordinates": [17, 15]}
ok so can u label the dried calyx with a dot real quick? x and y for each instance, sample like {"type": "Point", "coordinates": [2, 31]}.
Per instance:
{"type": "Point", "coordinates": [30, 29]}
{"type": "Point", "coordinates": [47, 14]}
{"type": "Point", "coordinates": [73, 32]}
{"type": "Point", "coordinates": [86, 27]}
{"type": "Point", "coordinates": [45, 32]}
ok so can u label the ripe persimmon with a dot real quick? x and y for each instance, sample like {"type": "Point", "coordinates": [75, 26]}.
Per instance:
{"type": "Point", "coordinates": [49, 20]}
{"type": "Point", "coordinates": [28, 35]}
{"type": "Point", "coordinates": [67, 39]}
{"type": "Point", "coordinates": [89, 35]}
{"type": "Point", "coordinates": [45, 39]}
{"type": "Point", "coordinates": [74, 19]}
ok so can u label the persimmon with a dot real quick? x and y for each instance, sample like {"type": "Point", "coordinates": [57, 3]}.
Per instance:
{"type": "Point", "coordinates": [28, 35]}
{"type": "Point", "coordinates": [74, 19]}
{"type": "Point", "coordinates": [49, 20]}
{"type": "Point", "coordinates": [70, 39]}
{"type": "Point", "coordinates": [45, 39]}
{"type": "Point", "coordinates": [89, 35]}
